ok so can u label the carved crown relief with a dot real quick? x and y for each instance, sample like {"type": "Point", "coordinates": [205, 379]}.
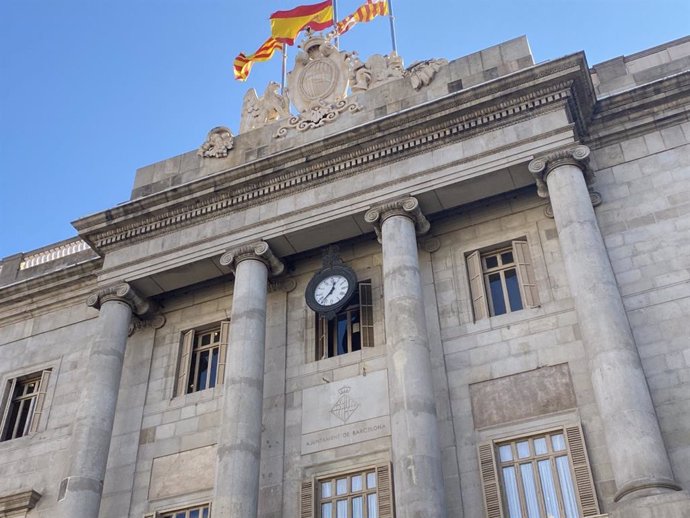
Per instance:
{"type": "Point", "coordinates": [259, 111]}
{"type": "Point", "coordinates": [218, 144]}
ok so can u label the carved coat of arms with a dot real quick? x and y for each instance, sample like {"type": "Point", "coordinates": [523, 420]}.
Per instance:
{"type": "Point", "coordinates": [345, 406]}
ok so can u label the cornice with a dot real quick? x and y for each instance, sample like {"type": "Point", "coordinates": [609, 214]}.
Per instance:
{"type": "Point", "coordinates": [506, 100]}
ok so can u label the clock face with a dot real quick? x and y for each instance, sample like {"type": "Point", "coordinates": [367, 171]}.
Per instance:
{"type": "Point", "coordinates": [331, 290]}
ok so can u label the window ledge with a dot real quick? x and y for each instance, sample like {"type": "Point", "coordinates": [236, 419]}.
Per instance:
{"type": "Point", "coordinates": [18, 505]}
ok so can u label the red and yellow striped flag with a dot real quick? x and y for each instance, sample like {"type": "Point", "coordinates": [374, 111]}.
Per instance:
{"type": "Point", "coordinates": [286, 25]}
{"type": "Point", "coordinates": [243, 64]}
{"type": "Point", "coordinates": [365, 13]}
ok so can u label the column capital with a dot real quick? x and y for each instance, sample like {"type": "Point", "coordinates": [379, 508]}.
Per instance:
{"type": "Point", "coordinates": [258, 251]}
{"type": "Point", "coordinates": [542, 165]}
{"type": "Point", "coordinates": [123, 292]}
{"type": "Point", "coordinates": [407, 207]}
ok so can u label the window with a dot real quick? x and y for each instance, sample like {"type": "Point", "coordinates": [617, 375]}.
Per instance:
{"type": "Point", "coordinates": [23, 405]}
{"type": "Point", "coordinates": [502, 280]}
{"type": "Point", "coordinates": [349, 330]}
{"type": "Point", "coordinates": [545, 475]}
{"type": "Point", "coordinates": [199, 511]}
{"type": "Point", "coordinates": [366, 493]}
{"type": "Point", "coordinates": [202, 360]}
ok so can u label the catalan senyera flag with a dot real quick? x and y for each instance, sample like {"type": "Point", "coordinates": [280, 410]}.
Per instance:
{"type": "Point", "coordinates": [365, 13]}
{"type": "Point", "coordinates": [243, 64]}
{"type": "Point", "coordinates": [286, 25]}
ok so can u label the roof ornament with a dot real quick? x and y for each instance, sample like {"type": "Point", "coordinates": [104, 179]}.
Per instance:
{"type": "Point", "coordinates": [257, 111]}
{"type": "Point", "coordinates": [218, 143]}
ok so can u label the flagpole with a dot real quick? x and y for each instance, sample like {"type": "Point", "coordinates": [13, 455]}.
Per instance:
{"type": "Point", "coordinates": [391, 16]}
{"type": "Point", "coordinates": [283, 75]}
{"type": "Point", "coordinates": [335, 23]}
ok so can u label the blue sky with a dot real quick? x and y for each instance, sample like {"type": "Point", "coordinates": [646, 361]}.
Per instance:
{"type": "Point", "coordinates": [91, 90]}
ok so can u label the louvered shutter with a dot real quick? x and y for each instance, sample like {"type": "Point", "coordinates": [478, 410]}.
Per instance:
{"type": "Point", "coordinates": [366, 312]}
{"type": "Point", "coordinates": [307, 499]}
{"type": "Point", "coordinates": [584, 485]}
{"type": "Point", "coordinates": [183, 369]}
{"type": "Point", "coordinates": [489, 478]}
{"type": "Point", "coordinates": [474, 269]}
{"type": "Point", "coordinates": [40, 401]}
{"type": "Point", "coordinates": [6, 404]}
{"type": "Point", "coordinates": [528, 283]}
{"type": "Point", "coordinates": [222, 354]}
{"type": "Point", "coordinates": [384, 484]}
{"type": "Point", "coordinates": [322, 337]}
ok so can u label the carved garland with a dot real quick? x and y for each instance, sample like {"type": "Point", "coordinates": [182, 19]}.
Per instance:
{"type": "Point", "coordinates": [421, 139]}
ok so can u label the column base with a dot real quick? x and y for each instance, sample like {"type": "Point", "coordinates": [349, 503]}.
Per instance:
{"type": "Point", "coordinates": [666, 505]}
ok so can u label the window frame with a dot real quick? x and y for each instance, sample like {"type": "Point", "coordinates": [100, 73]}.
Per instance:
{"type": "Point", "coordinates": [188, 348]}
{"type": "Point", "coordinates": [578, 462]}
{"type": "Point", "coordinates": [169, 512]}
{"type": "Point", "coordinates": [478, 273]}
{"type": "Point", "coordinates": [37, 403]}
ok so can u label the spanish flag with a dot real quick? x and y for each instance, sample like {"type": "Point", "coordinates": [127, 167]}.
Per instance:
{"type": "Point", "coordinates": [243, 64]}
{"type": "Point", "coordinates": [286, 25]}
{"type": "Point", "coordinates": [365, 13]}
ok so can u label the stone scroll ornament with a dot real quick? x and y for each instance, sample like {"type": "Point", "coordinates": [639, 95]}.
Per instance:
{"type": "Point", "coordinates": [218, 144]}
{"type": "Point", "coordinates": [317, 85]}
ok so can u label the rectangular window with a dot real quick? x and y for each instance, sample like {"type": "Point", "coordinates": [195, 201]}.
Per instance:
{"type": "Point", "coordinates": [349, 330]}
{"type": "Point", "coordinates": [202, 360]}
{"type": "Point", "coordinates": [366, 493]}
{"type": "Point", "coordinates": [502, 280]}
{"type": "Point", "coordinates": [24, 400]}
{"type": "Point", "coordinates": [197, 511]}
{"type": "Point", "coordinates": [544, 475]}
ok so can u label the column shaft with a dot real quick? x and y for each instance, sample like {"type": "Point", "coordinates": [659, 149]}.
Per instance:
{"type": "Point", "coordinates": [635, 446]}
{"type": "Point", "coordinates": [416, 452]}
{"type": "Point", "coordinates": [239, 447]}
{"type": "Point", "coordinates": [80, 492]}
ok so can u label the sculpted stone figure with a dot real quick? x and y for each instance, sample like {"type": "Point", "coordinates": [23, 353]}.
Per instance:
{"type": "Point", "coordinates": [259, 111]}
{"type": "Point", "coordinates": [422, 72]}
{"type": "Point", "coordinates": [218, 144]}
{"type": "Point", "coordinates": [376, 71]}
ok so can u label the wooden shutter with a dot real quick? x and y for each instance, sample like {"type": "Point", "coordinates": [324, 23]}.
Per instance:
{"type": "Point", "coordinates": [6, 404]}
{"type": "Point", "coordinates": [307, 499]}
{"type": "Point", "coordinates": [366, 314]}
{"type": "Point", "coordinates": [384, 485]}
{"type": "Point", "coordinates": [40, 401]}
{"type": "Point", "coordinates": [321, 337]}
{"type": "Point", "coordinates": [584, 485]}
{"type": "Point", "coordinates": [528, 282]}
{"type": "Point", "coordinates": [223, 352]}
{"type": "Point", "coordinates": [185, 359]}
{"type": "Point", "coordinates": [489, 479]}
{"type": "Point", "coordinates": [474, 268]}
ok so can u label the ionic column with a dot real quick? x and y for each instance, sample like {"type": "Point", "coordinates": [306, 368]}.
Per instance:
{"type": "Point", "coordinates": [80, 491]}
{"type": "Point", "coordinates": [635, 446]}
{"type": "Point", "coordinates": [239, 445]}
{"type": "Point", "coordinates": [416, 451]}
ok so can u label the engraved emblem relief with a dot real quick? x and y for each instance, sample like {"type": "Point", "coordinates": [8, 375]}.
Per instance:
{"type": "Point", "coordinates": [345, 406]}
{"type": "Point", "coordinates": [218, 144]}
{"type": "Point", "coordinates": [259, 111]}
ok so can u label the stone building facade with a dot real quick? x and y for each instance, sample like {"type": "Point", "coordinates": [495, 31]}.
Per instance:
{"type": "Point", "coordinates": [458, 291]}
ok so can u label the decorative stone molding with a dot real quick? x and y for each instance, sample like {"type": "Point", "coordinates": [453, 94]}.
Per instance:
{"type": "Point", "coordinates": [646, 486]}
{"type": "Point", "coordinates": [376, 71]}
{"type": "Point", "coordinates": [286, 285]}
{"type": "Point", "coordinates": [318, 115]}
{"type": "Point", "coordinates": [430, 244]}
{"type": "Point", "coordinates": [123, 292]}
{"type": "Point", "coordinates": [594, 196]}
{"type": "Point", "coordinates": [18, 505]}
{"type": "Point", "coordinates": [259, 251]}
{"type": "Point", "coordinates": [218, 144]}
{"type": "Point", "coordinates": [408, 207]}
{"type": "Point", "coordinates": [257, 111]}
{"type": "Point", "coordinates": [422, 73]}
{"type": "Point", "coordinates": [540, 167]}
{"type": "Point", "coordinates": [155, 322]}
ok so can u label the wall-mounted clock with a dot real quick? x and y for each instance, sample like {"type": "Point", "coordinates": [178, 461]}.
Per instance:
{"type": "Point", "coordinates": [332, 287]}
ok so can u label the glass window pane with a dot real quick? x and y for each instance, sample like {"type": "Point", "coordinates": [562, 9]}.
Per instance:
{"type": "Point", "coordinates": [205, 339]}
{"type": "Point", "coordinates": [505, 453]}
{"type": "Point", "coordinates": [326, 490]}
{"type": "Point", "coordinates": [567, 488]}
{"type": "Point", "coordinates": [372, 507]}
{"type": "Point", "coordinates": [203, 371]}
{"type": "Point", "coordinates": [512, 496]}
{"type": "Point", "coordinates": [181, 515]}
{"type": "Point", "coordinates": [357, 483]}
{"type": "Point", "coordinates": [371, 480]}
{"type": "Point", "coordinates": [540, 446]}
{"type": "Point", "coordinates": [358, 507]}
{"type": "Point", "coordinates": [548, 489]}
{"type": "Point", "coordinates": [327, 510]}
{"type": "Point", "coordinates": [205, 513]}
{"type": "Point", "coordinates": [496, 288]}
{"type": "Point", "coordinates": [558, 442]}
{"type": "Point", "coordinates": [513, 288]}
{"type": "Point", "coordinates": [523, 449]}
{"type": "Point", "coordinates": [341, 334]}
{"type": "Point", "coordinates": [507, 257]}
{"type": "Point", "coordinates": [194, 513]}
{"type": "Point", "coordinates": [214, 368]}
{"type": "Point", "coordinates": [341, 509]}
{"type": "Point", "coordinates": [356, 335]}
{"type": "Point", "coordinates": [491, 261]}
{"type": "Point", "coordinates": [341, 486]}
{"type": "Point", "coordinates": [530, 490]}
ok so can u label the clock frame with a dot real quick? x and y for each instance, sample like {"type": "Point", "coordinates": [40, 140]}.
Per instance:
{"type": "Point", "coordinates": [331, 311]}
